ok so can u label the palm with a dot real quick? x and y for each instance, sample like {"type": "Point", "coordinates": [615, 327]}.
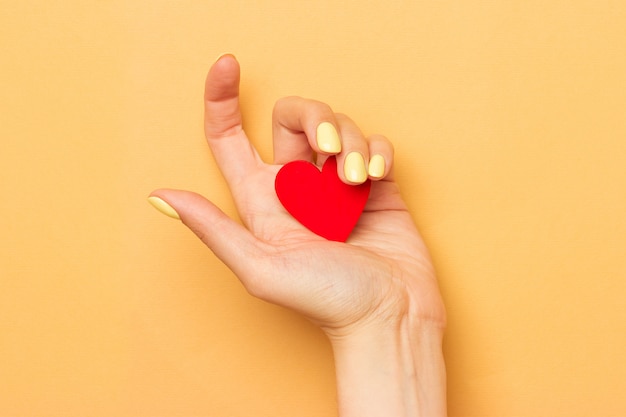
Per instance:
{"type": "Point", "coordinates": [381, 243]}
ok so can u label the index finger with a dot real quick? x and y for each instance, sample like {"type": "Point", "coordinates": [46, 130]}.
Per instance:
{"type": "Point", "coordinates": [233, 152]}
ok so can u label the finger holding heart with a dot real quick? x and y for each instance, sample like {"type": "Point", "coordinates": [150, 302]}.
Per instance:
{"type": "Point", "coordinates": [310, 130]}
{"type": "Point", "coordinates": [330, 202]}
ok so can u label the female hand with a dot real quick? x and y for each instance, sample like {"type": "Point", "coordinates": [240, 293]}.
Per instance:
{"type": "Point", "coordinates": [378, 286]}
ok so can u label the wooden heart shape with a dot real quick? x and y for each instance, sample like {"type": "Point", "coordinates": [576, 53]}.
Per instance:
{"type": "Point", "coordinates": [320, 200]}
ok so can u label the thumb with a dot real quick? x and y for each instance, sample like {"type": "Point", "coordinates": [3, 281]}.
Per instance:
{"type": "Point", "coordinates": [232, 243]}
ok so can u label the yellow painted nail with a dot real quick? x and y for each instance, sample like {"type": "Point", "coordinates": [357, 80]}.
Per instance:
{"type": "Point", "coordinates": [377, 166]}
{"type": "Point", "coordinates": [354, 168]}
{"type": "Point", "coordinates": [328, 138]}
{"type": "Point", "coordinates": [163, 207]}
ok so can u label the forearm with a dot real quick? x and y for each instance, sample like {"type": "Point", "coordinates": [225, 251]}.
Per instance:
{"type": "Point", "coordinates": [394, 371]}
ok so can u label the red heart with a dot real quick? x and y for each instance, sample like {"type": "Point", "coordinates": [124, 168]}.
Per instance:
{"type": "Point", "coordinates": [320, 200]}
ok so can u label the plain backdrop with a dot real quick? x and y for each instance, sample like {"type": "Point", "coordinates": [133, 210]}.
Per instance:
{"type": "Point", "coordinates": [508, 119]}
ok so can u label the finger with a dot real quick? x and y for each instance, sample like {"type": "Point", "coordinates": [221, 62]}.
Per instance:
{"type": "Point", "coordinates": [352, 161]}
{"type": "Point", "coordinates": [232, 243]}
{"type": "Point", "coordinates": [233, 152]}
{"type": "Point", "coordinates": [245, 255]}
{"type": "Point", "coordinates": [302, 127]}
{"type": "Point", "coordinates": [381, 158]}
{"type": "Point", "coordinates": [263, 269]}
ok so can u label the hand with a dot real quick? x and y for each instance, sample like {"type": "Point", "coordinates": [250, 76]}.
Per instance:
{"type": "Point", "coordinates": [380, 282]}
{"type": "Point", "coordinates": [383, 273]}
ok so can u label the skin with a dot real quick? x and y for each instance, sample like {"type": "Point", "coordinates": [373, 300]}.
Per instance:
{"type": "Point", "coordinates": [375, 296]}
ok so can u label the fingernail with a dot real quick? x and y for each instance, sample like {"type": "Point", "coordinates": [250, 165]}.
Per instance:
{"type": "Point", "coordinates": [377, 166]}
{"type": "Point", "coordinates": [163, 207]}
{"type": "Point", "coordinates": [222, 55]}
{"type": "Point", "coordinates": [328, 138]}
{"type": "Point", "coordinates": [354, 168]}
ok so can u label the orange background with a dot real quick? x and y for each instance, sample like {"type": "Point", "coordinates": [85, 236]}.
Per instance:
{"type": "Point", "coordinates": [508, 119]}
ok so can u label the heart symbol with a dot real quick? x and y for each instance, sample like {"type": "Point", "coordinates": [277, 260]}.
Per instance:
{"type": "Point", "coordinates": [320, 200]}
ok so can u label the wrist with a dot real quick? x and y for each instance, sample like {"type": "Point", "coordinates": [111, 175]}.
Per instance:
{"type": "Point", "coordinates": [391, 369]}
